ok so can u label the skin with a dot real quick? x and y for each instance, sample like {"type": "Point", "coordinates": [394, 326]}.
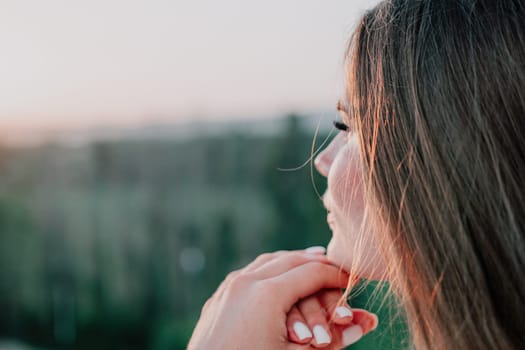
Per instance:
{"type": "Point", "coordinates": [256, 307]}
{"type": "Point", "coordinates": [250, 308]}
{"type": "Point", "coordinates": [339, 162]}
{"type": "Point", "coordinates": [353, 245]}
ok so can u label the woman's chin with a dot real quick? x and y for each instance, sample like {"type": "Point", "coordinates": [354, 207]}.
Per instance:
{"type": "Point", "coordinates": [370, 269]}
{"type": "Point", "coordinates": [336, 256]}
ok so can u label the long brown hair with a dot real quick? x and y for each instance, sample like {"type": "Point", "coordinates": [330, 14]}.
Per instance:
{"type": "Point", "coordinates": [437, 89]}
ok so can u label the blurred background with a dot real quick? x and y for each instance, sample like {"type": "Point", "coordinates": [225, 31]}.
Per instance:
{"type": "Point", "coordinates": [146, 150]}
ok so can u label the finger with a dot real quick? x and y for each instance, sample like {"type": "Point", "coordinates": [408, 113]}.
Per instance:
{"type": "Point", "coordinates": [263, 259]}
{"type": "Point", "coordinates": [298, 331]}
{"type": "Point", "coordinates": [363, 323]}
{"type": "Point", "coordinates": [316, 250]}
{"type": "Point", "coordinates": [337, 309]}
{"type": "Point", "coordinates": [287, 262]}
{"type": "Point", "coordinates": [315, 316]}
{"type": "Point", "coordinates": [345, 335]}
{"type": "Point", "coordinates": [224, 285]}
{"type": "Point", "coordinates": [336, 344]}
{"type": "Point", "coordinates": [337, 337]}
{"type": "Point", "coordinates": [305, 280]}
{"type": "Point", "coordinates": [277, 263]}
{"type": "Point", "coordinates": [266, 257]}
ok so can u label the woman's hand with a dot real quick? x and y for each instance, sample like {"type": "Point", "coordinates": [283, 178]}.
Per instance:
{"type": "Point", "coordinates": [316, 318]}
{"type": "Point", "coordinates": [323, 319]}
{"type": "Point", "coordinates": [249, 310]}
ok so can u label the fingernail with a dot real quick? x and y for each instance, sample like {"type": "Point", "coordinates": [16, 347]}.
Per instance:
{"type": "Point", "coordinates": [315, 250]}
{"type": "Point", "coordinates": [343, 311]}
{"type": "Point", "coordinates": [321, 336]}
{"type": "Point", "coordinates": [352, 334]}
{"type": "Point", "coordinates": [301, 330]}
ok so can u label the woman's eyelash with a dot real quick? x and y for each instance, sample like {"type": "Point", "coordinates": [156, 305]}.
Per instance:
{"type": "Point", "coordinates": [341, 126]}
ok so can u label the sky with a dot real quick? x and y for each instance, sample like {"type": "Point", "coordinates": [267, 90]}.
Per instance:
{"type": "Point", "coordinates": [77, 64]}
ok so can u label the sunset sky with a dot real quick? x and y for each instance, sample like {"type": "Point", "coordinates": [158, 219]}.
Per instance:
{"type": "Point", "coordinates": [76, 64]}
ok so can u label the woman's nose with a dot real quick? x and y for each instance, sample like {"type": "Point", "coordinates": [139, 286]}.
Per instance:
{"type": "Point", "coordinates": [326, 157]}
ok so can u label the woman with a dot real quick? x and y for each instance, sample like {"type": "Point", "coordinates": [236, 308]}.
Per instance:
{"type": "Point", "coordinates": [424, 190]}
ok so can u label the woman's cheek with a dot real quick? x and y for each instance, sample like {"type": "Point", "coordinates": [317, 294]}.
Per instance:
{"type": "Point", "coordinates": [354, 244]}
{"type": "Point", "coordinates": [344, 181]}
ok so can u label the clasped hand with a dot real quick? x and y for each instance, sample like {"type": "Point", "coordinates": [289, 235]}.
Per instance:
{"type": "Point", "coordinates": [282, 300]}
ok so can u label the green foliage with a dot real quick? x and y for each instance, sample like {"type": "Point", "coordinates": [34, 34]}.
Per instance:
{"type": "Point", "coordinates": [392, 332]}
{"type": "Point", "coordinates": [117, 245]}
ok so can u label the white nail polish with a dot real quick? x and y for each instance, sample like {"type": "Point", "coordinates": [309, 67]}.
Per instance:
{"type": "Point", "coordinates": [343, 311]}
{"type": "Point", "coordinates": [321, 337]}
{"type": "Point", "coordinates": [301, 330]}
{"type": "Point", "coordinates": [352, 334]}
{"type": "Point", "coordinates": [315, 250]}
